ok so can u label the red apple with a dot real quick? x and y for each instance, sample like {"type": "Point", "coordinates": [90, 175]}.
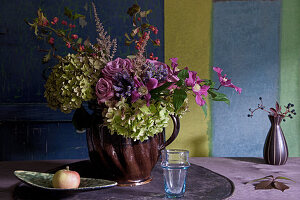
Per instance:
{"type": "Point", "coordinates": [66, 179]}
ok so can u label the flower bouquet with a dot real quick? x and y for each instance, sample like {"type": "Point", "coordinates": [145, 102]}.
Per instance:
{"type": "Point", "coordinates": [137, 93]}
{"type": "Point", "coordinates": [134, 96]}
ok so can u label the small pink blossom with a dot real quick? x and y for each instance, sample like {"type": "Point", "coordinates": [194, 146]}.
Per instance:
{"type": "Point", "coordinates": [157, 42]}
{"type": "Point", "coordinates": [45, 22]}
{"type": "Point", "coordinates": [74, 36]}
{"type": "Point", "coordinates": [72, 26]}
{"type": "Point", "coordinates": [54, 21]}
{"type": "Point", "coordinates": [68, 44]}
{"type": "Point", "coordinates": [81, 47]}
{"type": "Point", "coordinates": [51, 41]}
{"type": "Point", "coordinates": [63, 22]}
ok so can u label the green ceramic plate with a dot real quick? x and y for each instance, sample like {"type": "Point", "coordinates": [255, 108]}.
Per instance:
{"type": "Point", "coordinates": [44, 181]}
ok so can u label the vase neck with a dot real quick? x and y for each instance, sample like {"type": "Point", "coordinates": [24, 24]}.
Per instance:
{"type": "Point", "coordinates": [275, 120]}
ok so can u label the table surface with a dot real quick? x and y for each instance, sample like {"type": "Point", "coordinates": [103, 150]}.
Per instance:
{"type": "Point", "coordinates": [239, 170]}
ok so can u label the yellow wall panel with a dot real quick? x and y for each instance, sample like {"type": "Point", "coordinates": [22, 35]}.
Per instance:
{"type": "Point", "coordinates": [188, 37]}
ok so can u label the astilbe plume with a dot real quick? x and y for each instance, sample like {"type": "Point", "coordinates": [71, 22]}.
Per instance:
{"type": "Point", "coordinates": [104, 43]}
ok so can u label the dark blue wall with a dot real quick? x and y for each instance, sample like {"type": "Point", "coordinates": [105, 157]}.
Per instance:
{"type": "Point", "coordinates": [28, 128]}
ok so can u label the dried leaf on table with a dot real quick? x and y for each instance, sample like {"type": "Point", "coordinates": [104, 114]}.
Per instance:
{"type": "Point", "coordinates": [264, 185]}
{"type": "Point", "coordinates": [270, 183]}
{"type": "Point", "coordinates": [280, 186]}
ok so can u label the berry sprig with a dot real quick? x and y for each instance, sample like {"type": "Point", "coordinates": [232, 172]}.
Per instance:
{"type": "Point", "coordinates": [48, 31]}
{"type": "Point", "coordinates": [141, 27]}
{"type": "Point", "coordinates": [277, 111]}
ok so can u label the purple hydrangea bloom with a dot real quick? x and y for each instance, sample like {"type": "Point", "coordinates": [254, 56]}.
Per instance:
{"type": "Point", "coordinates": [159, 72]}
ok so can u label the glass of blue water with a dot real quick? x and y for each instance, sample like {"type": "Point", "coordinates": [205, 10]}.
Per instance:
{"type": "Point", "coordinates": [175, 164]}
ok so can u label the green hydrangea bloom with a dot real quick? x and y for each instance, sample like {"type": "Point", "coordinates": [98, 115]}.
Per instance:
{"type": "Point", "coordinates": [137, 121]}
{"type": "Point", "coordinates": [71, 82]}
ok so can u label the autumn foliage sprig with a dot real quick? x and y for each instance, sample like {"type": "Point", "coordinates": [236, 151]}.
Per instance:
{"type": "Point", "coordinates": [277, 111]}
{"type": "Point", "coordinates": [64, 29]}
{"type": "Point", "coordinates": [141, 29]}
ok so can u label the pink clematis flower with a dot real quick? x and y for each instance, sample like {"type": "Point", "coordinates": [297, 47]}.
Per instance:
{"type": "Point", "coordinates": [172, 73]}
{"type": "Point", "coordinates": [200, 91]}
{"type": "Point", "coordinates": [224, 81]}
{"type": "Point", "coordinates": [143, 90]}
{"type": "Point", "coordinates": [192, 79]}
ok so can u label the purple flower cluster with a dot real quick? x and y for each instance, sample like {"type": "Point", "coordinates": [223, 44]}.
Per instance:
{"type": "Point", "coordinates": [123, 84]}
{"type": "Point", "coordinates": [159, 72]}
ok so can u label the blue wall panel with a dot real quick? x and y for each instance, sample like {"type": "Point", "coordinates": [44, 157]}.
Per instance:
{"type": "Point", "coordinates": [246, 45]}
{"type": "Point", "coordinates": [28, 128]}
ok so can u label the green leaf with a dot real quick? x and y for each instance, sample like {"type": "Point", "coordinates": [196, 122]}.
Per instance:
{"type": "Point", "coordinates": [204, 108]}
{"type": "Point", "coordinates": [145, 13]}
{"type": "Point", "coordinates": [183, 74]}
{"type": "Point", "coordinates": [179, 83]}
{"type": "Point", "coordinates": [145, 25]}
{"type": "Point", "coordinates": [133, 9]}
{"type": "Point", "coordinates": [79, 41]}
{"type": "Point", "coordinates": [47, 57]}
{"type": "Point", "coordinates": [68, 13]}
{"type": "Point", "coordinates": [178, 98]}
{"type": "Point", "coordinates": [259, 179]}
{"type": "Point", "coordinates": [131, 56]}
{"type": "Point", "coordinates": [128, 43]}
{"type": "Point", "coordinates": [61, 32]}
{"type": "Point", "coordinates": [127, 36]}
{"type": "Point", "coordinates": [140, 34]}
{"type": "Point", "coordinates": [217, 96]}
{"type": "Point", "coordinates": [81, 119]}
{"type": "Point", "coordinates": [77, 15]}
{"type": "Point", "coordinates": [285, 178]}
{"type": "Point", "coordinates": [160, 89]}
{"type": "Point", "coordinates": [210, 83]}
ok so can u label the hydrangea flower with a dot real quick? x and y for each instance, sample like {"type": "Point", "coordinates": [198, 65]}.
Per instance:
{"type": "Point", "coordinates": [71, 82]}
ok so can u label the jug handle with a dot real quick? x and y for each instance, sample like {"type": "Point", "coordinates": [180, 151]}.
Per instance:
{"type": "Point", "coordinates": [176, 129]}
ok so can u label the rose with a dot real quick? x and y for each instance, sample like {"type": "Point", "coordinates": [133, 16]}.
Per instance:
{"type": "Point", "coordinates": [116, 66]}
{"type": "Point", "coordinates": [104, 90]}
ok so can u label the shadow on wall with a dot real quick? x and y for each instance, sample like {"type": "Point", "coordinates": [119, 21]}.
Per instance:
{"type": "Point", "coordinates": [199, 145]}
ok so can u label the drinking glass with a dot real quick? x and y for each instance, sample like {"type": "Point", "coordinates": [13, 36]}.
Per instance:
{"type": "Point", "coordinates": [175, 164]}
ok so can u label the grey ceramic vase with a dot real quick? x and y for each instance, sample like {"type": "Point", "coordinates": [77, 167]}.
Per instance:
{"type": "Point", "coordinates": [275, 148]}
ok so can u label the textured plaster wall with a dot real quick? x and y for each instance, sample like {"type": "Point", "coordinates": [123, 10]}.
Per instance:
{"type": "Point", "coordinates": [187, 36]}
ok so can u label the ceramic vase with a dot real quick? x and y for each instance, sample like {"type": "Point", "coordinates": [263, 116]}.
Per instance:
{"type": "Point", "coordinates": [122, 159]}
{"type": "Point", "coordinates": [275, 148]}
